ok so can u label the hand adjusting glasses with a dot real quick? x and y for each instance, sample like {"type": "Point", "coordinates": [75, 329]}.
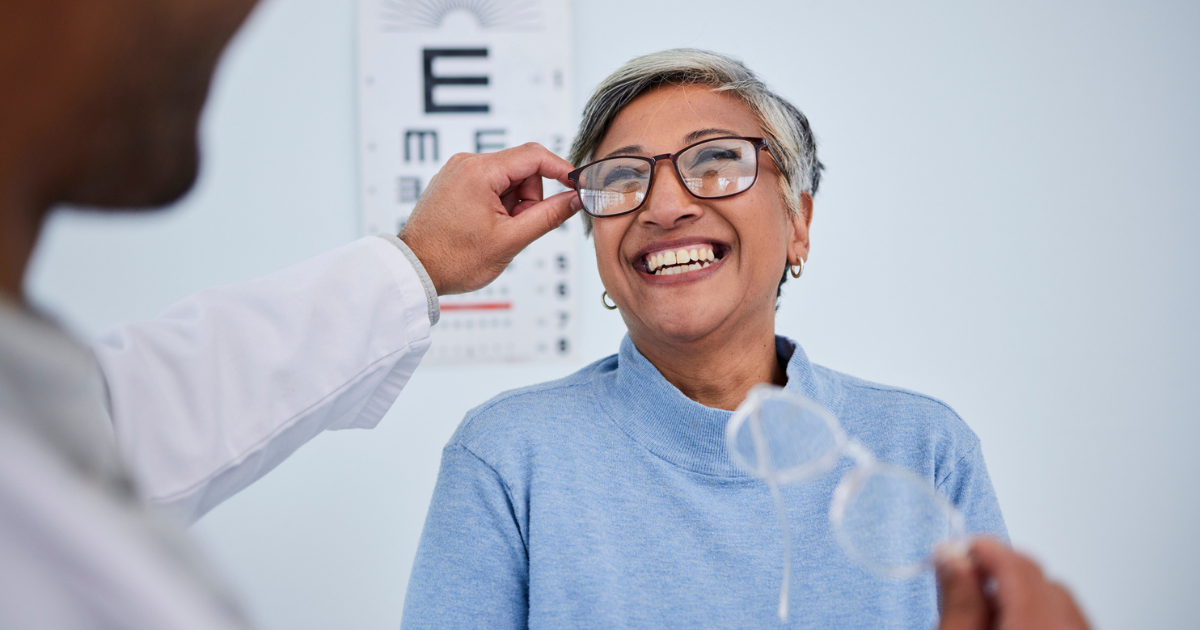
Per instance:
{"type": "Point", "coordinates": [885, 517]}
{"type": "Point", "coordinates": [709, 169]}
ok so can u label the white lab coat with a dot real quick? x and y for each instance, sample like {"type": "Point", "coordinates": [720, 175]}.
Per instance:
{"type": "Point", "coordinates": [228, 383]}
{"type": "Point", "coordinates": [204, 400]}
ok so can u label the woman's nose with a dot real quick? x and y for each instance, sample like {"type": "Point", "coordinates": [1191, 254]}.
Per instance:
{"type": "Point", "coordinates": [669, 204]}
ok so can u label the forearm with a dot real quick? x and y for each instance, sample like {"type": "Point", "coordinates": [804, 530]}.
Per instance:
{"type": "Point", "coordinates": [229, 382]}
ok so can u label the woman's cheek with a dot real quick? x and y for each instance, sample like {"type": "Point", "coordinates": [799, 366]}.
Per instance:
{"type": "Point", "coordinates": [607, 259]}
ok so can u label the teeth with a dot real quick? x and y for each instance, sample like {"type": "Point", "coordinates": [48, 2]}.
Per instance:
{"type": "Point", "coordinates": [678, 261]}
{"type": "Point", "coordinates": [678, 269]}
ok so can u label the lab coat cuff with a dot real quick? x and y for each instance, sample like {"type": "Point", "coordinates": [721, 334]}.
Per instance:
{"type": "Point", "coordinates": [431, 296]}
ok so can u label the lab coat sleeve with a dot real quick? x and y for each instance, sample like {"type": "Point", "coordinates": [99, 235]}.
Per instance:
{"type": "Point", "coordinates": [226, 384]}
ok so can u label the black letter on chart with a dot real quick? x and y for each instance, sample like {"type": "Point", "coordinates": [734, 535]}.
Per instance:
{"type": "Point", "coordinates": [408, 189]}
{"type": "Point", "coordinates": [483, 145]}
{"type": "Point", "coordinates": [420, 135]}
{"type": "Point", "coordinates": [432, 81]}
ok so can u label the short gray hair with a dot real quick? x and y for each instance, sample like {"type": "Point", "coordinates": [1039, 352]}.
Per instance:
{"type": "Point", "coordinates": [785, 127]}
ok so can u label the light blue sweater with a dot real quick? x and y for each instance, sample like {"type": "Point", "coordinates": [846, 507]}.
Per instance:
{"type": "Point", "coordinates": [607, 500]}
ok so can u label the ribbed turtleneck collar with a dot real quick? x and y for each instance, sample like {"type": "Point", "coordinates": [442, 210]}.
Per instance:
{"type": "Point", "coordinates": [680, 430]}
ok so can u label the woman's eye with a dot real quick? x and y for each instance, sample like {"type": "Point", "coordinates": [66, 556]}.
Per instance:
{"type": "Point", "coordinates": [624, 175]}
{"type": "Point", "coordinates": [716, 154]}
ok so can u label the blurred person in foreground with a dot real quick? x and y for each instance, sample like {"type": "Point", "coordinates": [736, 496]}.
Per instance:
{"type": "Point", "coordinates": [99, 102]}
{"type": "Point", "coordinates": [98, 106]}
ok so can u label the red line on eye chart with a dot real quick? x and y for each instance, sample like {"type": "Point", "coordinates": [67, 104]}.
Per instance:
{"type": "Point", "coordinates": [478, 306]}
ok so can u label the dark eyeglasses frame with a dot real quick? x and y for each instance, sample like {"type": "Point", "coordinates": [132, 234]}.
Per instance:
{"type": "Point", "coordinates": [759, 145]}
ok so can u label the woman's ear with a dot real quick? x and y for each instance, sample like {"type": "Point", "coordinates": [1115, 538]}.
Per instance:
{"type": "Point", "coordinates": [798, 241]}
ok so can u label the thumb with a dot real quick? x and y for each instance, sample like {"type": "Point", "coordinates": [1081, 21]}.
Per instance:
{"type": "Point", "coordinates": [531, 223]}
{"type": "Point", "coordinates": [963, 603]}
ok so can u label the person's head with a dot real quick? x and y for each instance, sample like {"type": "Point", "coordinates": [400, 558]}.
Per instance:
{"type": "Point", "coordinates": [659, 104]}
{"type": "Point", "coordinates": [101, 98]}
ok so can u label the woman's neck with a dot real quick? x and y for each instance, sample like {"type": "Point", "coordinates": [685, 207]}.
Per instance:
{"type": "Point", "coordinates": [717, 370]}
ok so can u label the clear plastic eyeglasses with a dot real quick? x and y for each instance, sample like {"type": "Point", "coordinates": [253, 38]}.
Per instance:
{"type": "Point", "coordinates": [885, 517]}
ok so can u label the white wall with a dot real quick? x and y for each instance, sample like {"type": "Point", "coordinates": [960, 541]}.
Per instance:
{"type": "Point", "coordinates": [1007, 222]}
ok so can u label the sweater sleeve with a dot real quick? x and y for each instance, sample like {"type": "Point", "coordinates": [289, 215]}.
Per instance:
{"type": "Point", "coordinates": [969, 488]}
{"type": "Point", "coordinates": [472, 567]}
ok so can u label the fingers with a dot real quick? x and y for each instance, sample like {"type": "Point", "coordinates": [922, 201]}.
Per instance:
{"type": "Point", "coordinates": [515, 165]}
{"type": "Point", "coordinates": [1069, 610]}
{"type": "Point", "coordinates": [530, 189]}
{"type": "Point", "coordinates": [480, 211]}
{"type": "Point", "coordinates": [525, 194]}
{"type": "Point", "coordinates": [1024, 599]}
{"type": "Point", "coordinates": [522, 206]}
{"type": "Point", "coordinates": [1019, 580]}
{"type": "Point", "coordinates": [535, 220]}
{"type": "Point", "coordinates": [964, 606]}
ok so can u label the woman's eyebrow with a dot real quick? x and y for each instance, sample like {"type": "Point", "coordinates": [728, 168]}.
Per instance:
{"type": "Point", "coordinates": [700, 134]}
{"type": "Point", "coordinates": [695, 136]}
{"type": "Point", "coordinates": [631, 149]}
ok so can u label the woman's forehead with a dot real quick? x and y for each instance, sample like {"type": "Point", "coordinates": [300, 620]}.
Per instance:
{"type": "Point", "coordinates": [667, 118]}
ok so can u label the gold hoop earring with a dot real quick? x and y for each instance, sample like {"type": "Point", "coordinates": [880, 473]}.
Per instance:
{"type": "Point", "coordinates": [604, 300]}
{"type": "Point", "coordinates": [797, 274]}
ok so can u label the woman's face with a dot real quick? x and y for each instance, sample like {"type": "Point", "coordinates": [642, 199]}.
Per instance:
{"type": "Point", "coordinates": [752, 235]}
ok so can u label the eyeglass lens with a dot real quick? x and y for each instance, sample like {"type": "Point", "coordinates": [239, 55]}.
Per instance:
{"type": "Point", "coordinates": [885, 516]}
{"type": "Point", "coordinates": [716, 168]}
{"type": "Point", "coordinates": [793, 439]}
{"type": "Point", "coordinates": [892, 521]}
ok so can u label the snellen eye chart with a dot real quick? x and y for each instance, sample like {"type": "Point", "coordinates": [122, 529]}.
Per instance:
{"type": "Point", "coordinates": [439, 77]}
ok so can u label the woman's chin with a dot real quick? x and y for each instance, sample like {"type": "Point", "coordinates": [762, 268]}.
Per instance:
{"type": "Point", "coordinates": [677, 330]}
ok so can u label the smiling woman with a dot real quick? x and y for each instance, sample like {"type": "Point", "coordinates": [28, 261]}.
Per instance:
{"type": "Point", "coordinates": [607, 499]}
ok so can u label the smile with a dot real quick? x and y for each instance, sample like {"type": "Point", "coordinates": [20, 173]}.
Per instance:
{"type": "Point", "coordinates": [678, 260]}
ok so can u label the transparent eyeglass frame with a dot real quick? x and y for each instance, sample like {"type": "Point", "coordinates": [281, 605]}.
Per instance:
{"type": "Point", "coordinates": [845, 494]}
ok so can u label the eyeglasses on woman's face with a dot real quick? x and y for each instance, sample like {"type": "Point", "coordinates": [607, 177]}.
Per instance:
{"type": "Point", "coordinates": [709, 169]}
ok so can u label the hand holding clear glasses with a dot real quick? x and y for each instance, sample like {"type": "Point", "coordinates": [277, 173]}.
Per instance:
{"type": "Point", "coordinates": [885, 517]}
{"type": "Point", "coordinates": [993, 587]}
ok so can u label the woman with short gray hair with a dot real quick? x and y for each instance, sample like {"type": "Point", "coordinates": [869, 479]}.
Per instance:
{"type": "Point", "coordinates": [784, 127]}
{"type": "Point", "coordinates": [608, 498]}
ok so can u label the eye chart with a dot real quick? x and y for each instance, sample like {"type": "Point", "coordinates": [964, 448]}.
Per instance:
{"type": "Point", "coordinates": [439, 77]}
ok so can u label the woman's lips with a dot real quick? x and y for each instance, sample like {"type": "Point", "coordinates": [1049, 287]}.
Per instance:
{"type": "Point", "coordinates": [679, 257]}
{"type": "Point", "coordinates": [687, 259]}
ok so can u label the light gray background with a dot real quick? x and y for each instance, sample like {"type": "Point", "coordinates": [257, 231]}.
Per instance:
{"type": "Point", "coordinates": [1007, 222]}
